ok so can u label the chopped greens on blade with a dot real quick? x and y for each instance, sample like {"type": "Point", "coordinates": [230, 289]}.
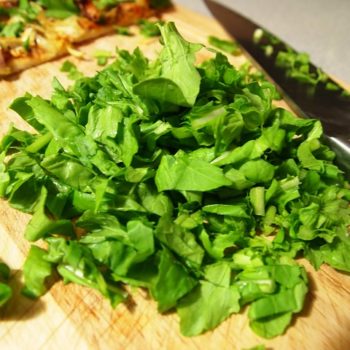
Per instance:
{"type": "Point", "coordinates": [180, 178]}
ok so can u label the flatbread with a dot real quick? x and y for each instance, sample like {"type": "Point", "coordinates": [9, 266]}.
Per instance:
{"type": "Point", "coordinates": [49, 38]}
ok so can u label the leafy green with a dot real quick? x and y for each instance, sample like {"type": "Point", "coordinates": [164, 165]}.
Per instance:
{"type": "Point", "coordinates": [148, 28]}
{"type": "Point", "coordinates": [13, 29]}
{"type": "Point", "coordinates": [224, 45]}
{"type": "Point", "coordinates": [210, 303]}
{"type": "Point", "coordinates": [123, 31]}
{"type": "Point", "coordinates": [269, 316]}
{"type": "Point", "coordinates": [295, 66]}
{"type": "Point", "coordinates": [169, 175]}
{"type": "Point", "coordinates": [5, 289]}
{"type": "Point", "coordinates": [179, 80]}
{"type": "Point", "coordinates": [102, 56]}
{"type": "Point", "coordinates": [183, 173]}
{"type": "Point", "coordinates": [103, 4]}
{"type": "Point", "coordinates": [36, 270]}
{"type": "Point", "coordinates": [59, 9]}
{"type": "Point", "coordinates": [71, 70]}
{"type": "Point", "coordinates": [173, 282]}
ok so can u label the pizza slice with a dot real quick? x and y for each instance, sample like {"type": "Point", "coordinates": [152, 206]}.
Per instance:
{"type": "Point", "coordinates": [33, 32]}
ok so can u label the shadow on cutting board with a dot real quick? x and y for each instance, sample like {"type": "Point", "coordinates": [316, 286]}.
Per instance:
{"type": "Point", "coordinates": [20, 307]}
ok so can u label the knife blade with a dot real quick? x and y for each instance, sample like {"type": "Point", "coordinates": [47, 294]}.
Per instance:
{"type": "Point", "coordinates": [331, 107]}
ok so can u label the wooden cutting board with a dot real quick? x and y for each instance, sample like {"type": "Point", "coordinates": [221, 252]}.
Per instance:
{"type": "Point", "coordinates": [74, 317]}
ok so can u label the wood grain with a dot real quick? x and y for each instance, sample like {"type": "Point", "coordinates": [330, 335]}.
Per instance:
{"type": "Point", "coordinates": [73, 317]}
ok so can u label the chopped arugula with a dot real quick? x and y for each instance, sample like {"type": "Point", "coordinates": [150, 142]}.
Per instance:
{"type": "Point", "coordinates": [13, 29]}
{"type": "Point", "coordinates": [123, 31]}
{"type": "Point", "coordinates": [228, 46]}
{"type": "Point", "coordinates": [104, 4]}
{"type": "Point", "coordinates": [295, 65]}
{"type": "Point", "coordinates": [175, 174]}
{"type": "Point", "coordinates": [59, 9]}
{"type": "Point", "coordinates": [5, 289]}
{"type": "Point", "coordinates": [102, 57]}
{"type": "Point", "coordinates": [149, 29]}
{"type": "Point", "coordinates": [71, 70]}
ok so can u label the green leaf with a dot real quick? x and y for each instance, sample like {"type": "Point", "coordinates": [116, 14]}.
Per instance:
{"type": "Point", "coordinates": [72, 71]}
{"type": "Point", "coordinates": [75, 264]}
{"type": "Point", "coordinates": [5, 293]}
{"type": "Point", "coordinates": [172, 283]}
{"type": "Point", "coordinates": [179, 77]}
{"type": "Point", "coordinates": [207, 306]}
{"type": "Point", "coordinates": [181, 241]}
{"type": "Point", "coordinates": [41, 225]}
{"type": "Point", "coordinates": [182, 173]}
{"type": "Point", "coordinates": [13, 29]}
{"type": "Point", "coordinates": [36, 270]}
{"type": "Point", "coordinates": [306, 156]}
{"type": "Point", "coordinates": [238, 210]}
{"type": "Point", "coordinates": [154, 202]}
{"type": "Point", "coordinates": [257, 199]}
{"type": "Point", "coordinates": [258, 171]}
{"type": "Point", "coordinates": [224, 45]}
{"type": "Point", "coordinates": [5, 289]}
{"type": "Point", "coordinates": [270, 316]}
{"type": "Point", "coordinates": [59, 9]}
{"type": "Point", "coordinates": [150, 29]}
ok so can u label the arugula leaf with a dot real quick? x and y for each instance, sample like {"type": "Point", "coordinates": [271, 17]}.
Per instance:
{"type": "Point", "coordinates": [258, 171]}
{"type": "Point", "coordinates": [224, 45]}
{"type": "Point", "coordinates": [149, 29]}
{"type": "Point", "coordinates": [102, 56]}
{"type": "Point", "coordinates": [59, 9]}
{"type": "Point", "coordinates": [75, 264]}
{"type": "Point", "coordinates": [105, 4]}
{"type": "Point", "coordinates": [5, 289]}
{"type": "Point", "coordinates": [173, 282]}
{"type": "Point", "coordinates": [182, 173]}
{"type": "Point", "coordinates": [13, 29]}
{"type": "Point", "coordinates": [181, 241]}
{"type": "Point", "coordinates": [271, 315]}
{"type": "Point", "coordinates": [72, 70]}
{"type": "Point", "coordinates": [208, 304]}
{"type": "Point", "coordinates": [123, 31]}
{"type": "Point", "coordinates": [179, 80]}
{"type": "Point", "coordinates": [36, 270]}
{"type": "Point", "coordinates": [41, 225]}
{"type": "Point", "coordinates": [5, 293]}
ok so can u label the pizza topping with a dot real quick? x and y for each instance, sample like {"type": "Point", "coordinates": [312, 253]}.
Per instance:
{"type": "Point", "coordinates": [44, 29]}
{"type": "Point", "coordinates": [89, 10]}
{"type": "Point", "coordinates": [69, 29]}
{"type": "Point", "coordinates": [8, 4]}
{"type": "Point", "coordinates": [13, 28]}
{"type": "Point", "coordinates": [2, 59]}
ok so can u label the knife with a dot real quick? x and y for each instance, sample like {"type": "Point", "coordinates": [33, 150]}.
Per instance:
{"type": "Point", "coordinates": [330, 106]}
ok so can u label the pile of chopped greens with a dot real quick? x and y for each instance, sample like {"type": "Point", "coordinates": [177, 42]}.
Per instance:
{"type": "Point", "coordinates": [179, 178]}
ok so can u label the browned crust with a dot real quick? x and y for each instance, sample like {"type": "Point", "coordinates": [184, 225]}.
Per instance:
{"type": "Point", "coordinates": [125, 14]}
